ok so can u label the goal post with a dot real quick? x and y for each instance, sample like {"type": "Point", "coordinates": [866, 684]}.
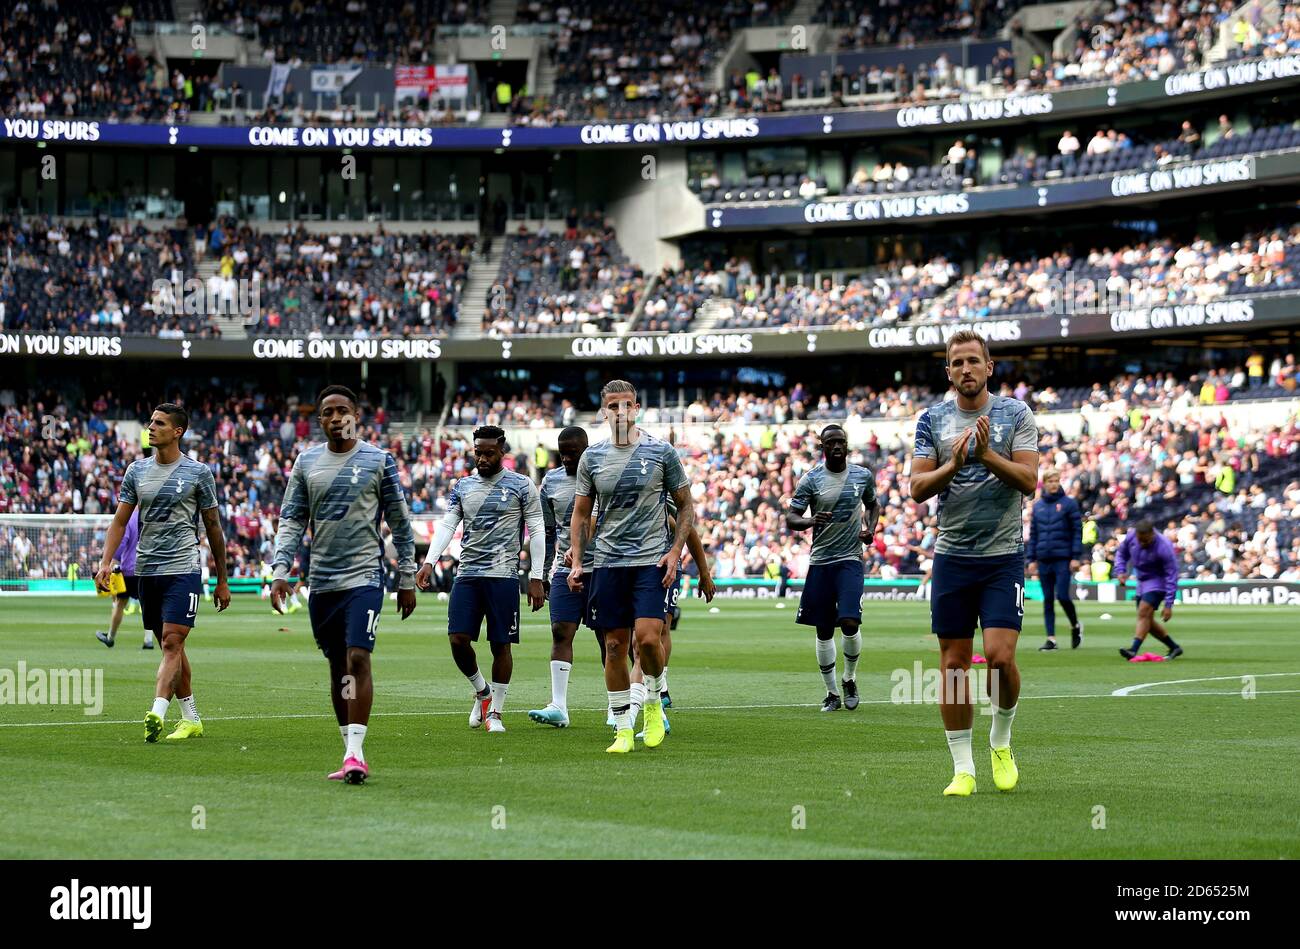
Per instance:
{"type": "Point", "coordinates": [50, 554]}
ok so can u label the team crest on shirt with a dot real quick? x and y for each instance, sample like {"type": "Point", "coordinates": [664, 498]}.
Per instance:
{"type": "Point", "coordinates": [356, 474]}
{"type": "Point", "coordinates": [180, 485]}
{"type": "Point", "coordinates": [643, 466]}
{"type": "Point", "coordinates": [997, 430]}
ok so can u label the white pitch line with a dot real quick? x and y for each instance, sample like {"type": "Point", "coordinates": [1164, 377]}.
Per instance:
{"type": "Point", "coordinates": [1130, 689]}
{"type": "Point", "coordinates": [691, 708]}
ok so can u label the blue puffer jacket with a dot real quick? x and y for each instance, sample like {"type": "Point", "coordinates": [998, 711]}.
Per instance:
{"type": "Point", "coordinates": [1055, 529]}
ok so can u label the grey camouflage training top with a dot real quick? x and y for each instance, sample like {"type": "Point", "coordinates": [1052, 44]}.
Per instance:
{"type": "Point", "coordinates": [169, 498]}
{"type": "Point", "coordinates": [979, 515]}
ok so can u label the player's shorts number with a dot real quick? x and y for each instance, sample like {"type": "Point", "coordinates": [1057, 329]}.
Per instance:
{"type": "Point", "coordinates": [194, 604]}
{"type": "Point", "coordinates": [1020, 598]}
{"type": "Point", "coordinates": [372, 623]}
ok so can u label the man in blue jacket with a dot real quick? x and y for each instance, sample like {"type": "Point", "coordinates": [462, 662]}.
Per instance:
{"type": "Point", "coordinates": [1056, 543]}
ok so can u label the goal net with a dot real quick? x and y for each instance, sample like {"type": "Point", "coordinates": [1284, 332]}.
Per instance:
{"type": "Point", "coordinates": [50, 553]}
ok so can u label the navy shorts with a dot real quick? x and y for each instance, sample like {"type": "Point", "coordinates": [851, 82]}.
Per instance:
{"type": "Point", "coordinates": [622, 595]}
{"type": "Point", "coordinates": [567, 606]}
{"type": "Point", "coordinates": [1154, 597]}
{"type": "Point", "coordinates": [493, 598]}
{"type": "Point", "coordinates": [831, 592]}
{"type": "Point", "coordinates": [1054, 577]}
{"type": "Point", "coordinates": [170, 598]}
{"type": "Point", "coordinates": [341, 619]}
{"type": "Point", "coordinates": [966, 590]}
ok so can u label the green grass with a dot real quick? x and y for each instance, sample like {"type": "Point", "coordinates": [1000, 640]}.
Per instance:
{"type": "Point", "coordinates": [1184, 770]}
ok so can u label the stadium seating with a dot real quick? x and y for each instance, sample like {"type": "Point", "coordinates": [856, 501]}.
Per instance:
{"type": "Point", "coordinates": [93, 277]}
{"type": "Point", "coordinates": [1140, 465]}
{"type": "Point", "coordinates": [338, 31]}
{"type": "Point", "coordinates": [79, 59]}
{"type": "Point", "coordinates": [616, 63]}
{"type": "Point", "coordinates": [562, 283]}
{"type": "Point", "coordinates": [1157, 272]}
{"type": "Point", "coordinates": [336, 284]}
{"type": "Point", "coordinates": [621, 62]}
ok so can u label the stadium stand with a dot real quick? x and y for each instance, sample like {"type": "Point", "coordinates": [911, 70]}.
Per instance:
{"type": "Point", "coordinates": [1231, 501]}
{"type": "Point", "coordinates": [574, 281]}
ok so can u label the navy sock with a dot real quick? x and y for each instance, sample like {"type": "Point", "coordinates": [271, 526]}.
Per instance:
{"type": "Point", "coordinates": [1049, 618]}
{"type": "Point", "coordinates": [1071, 615]}
{"type": "Point", "coordinates": [1137, 644]}
{"type": "Point", "coordinates": [1167, 640]}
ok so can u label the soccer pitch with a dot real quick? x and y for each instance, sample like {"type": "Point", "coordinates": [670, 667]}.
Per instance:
{"type": "Point", "coordinates": [1194, 769]}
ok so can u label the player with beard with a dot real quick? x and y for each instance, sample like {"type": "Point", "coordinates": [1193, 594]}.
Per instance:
{"type": "Point", "coordinates": [979, 454]}
{"type": "Point", "coordinates": [494, 505]}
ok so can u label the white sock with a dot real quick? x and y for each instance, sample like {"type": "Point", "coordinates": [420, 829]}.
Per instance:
{"type": "Point", "coordinates": [852, 649]}
{"type": "Point", "coordinates": [356, 735]}
{"type": "Point", "coordinates": [148, 637]}
{"type": "Point", "coordinates": [499, 690]}
{"type": "Point", "coordinates": [622, 699]}
{"type": "Point", "coordinates": [652, 688]}
{"type": "Point", "coordinates": [478, 682]}
{"type": "Point", "coordinates": [343, 731]}
{"type": "Point", "coordinates": [160, 705]}
{"type": "Point", "coordinates": [826, 661]}
{"type": "Point", "coordinates": [959, 745]}
{"type": "Point", "coordinates": [189, 711]}
{"type": "Point", "coordinates": [663, 681]}
{"type": "Point", "coordinates": [560, 683]}
{"type": "Point", "coordinates": [1000, 731]}
{"type": "Point", "coordinates": [637, 693]}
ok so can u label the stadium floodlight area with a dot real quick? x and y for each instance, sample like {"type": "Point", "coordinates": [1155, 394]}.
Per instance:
{"type": "Point", "coordinates": [50, 554]}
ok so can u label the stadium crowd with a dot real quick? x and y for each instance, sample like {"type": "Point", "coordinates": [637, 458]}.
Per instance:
{"type": "Point", "coordinates": [1141, 274]}
{"type": "Point", "coordinates": [1150, 39]}
{"type": "Point", "coordinates": [93, 276]}
{"type": "Point", "coordinates": [1231, 502]}
{"type": "Point", "coordinates": [376, 284]}
{"type": "Point", "coordinates": [79, 59]}
{"type": "Point", "coordinates": [1109, 151]}
{"type": "Point", "coordinates": [1258, 377]}
{"type": "Point", "coordinates": [345, 31]}
{"type": "Point", "coordinates": [615, 63]}
{"type": "Point", "coordinates": [575, 281]}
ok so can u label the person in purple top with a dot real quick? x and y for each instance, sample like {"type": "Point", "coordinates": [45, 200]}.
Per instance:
{"type": "Point", "coordinates": [128, 589]}
{"type": "Point", "coordinates": [1152, 557]}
